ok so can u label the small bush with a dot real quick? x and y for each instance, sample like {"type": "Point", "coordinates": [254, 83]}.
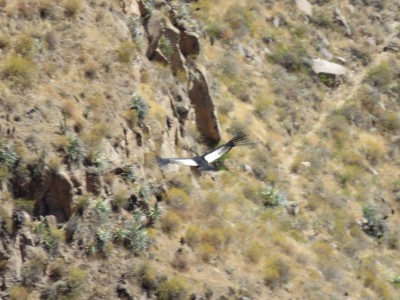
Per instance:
{"type": "Point", "coordinates": [96, 135]}
{"type": "Point", "coordinates": [125, 51]}
{"type": "Point", "coordinates": [170, 222]}
{"type": "Point", "coordinates": [276, 272]}
{"type": "Point", "coordinates": [381, 75]}
{"type": "Point", "coordinates": [216, 237]}
{"type": "Point", "coordinates": [47, 9]}
{"type": "Point", "coordinates": [49, 238]}
{"type": "Point", "coordinates": [165, 46]}
{"type": "Point", "coordinates": [375, 224]}
{"type": "Point", "coordinates": [8, 154]}
{"type": "Point", "coordinates": [193, 236]}
{"type": "Point", "coordinates": [369, 274]}
{"type": "Point", "coordinates": [373, 149]}
{"type": "Point", "coordinates": [76, 276]}
{"type": "Point", "coordinates": [129, 172]}
{"type": "Point", "coordinates": [25, 46]}
{"type": "Point", "coordinates": [99, 161]}
{"type": "Point", "coordinates": [272, 197]}
{"type": "Point", "coordinates": [5, 41]}
{"type": "Point", "coordinates": [290, 57]}
{"type": "Point", "coordinates": [19, 292]}
{"type": "Point", "coordinates": [349, 174]}
{"type": "Point", "coordinates": [73, 148]}
{"type": "Point", "coordinates": [206, 252]}
{"type": "Point", "coordinates": [19, 70]}
{"type": "Point", "coordinates": [178, 200]}
{"type": "Point", "coordinates": [217, 29]}
{"type": "Point", "coordinates": [174, 288]}
{"type": "Point", "coordinates": [133, 236]}
{"type": "Point", "coordinates": [323, 17]}
{"type": "Point", "coordinates": [102, 208]}
{"type": "Point", "coordinates": [254, 252]}
{"type": "Point", "coordinates": [72, 7]}
{"type": "Point", "coordinates": [139, 104]}
{"type": "Point", "coordinates": [240, 20]}
{"type": "Point", "coordinates": [148, 276]}
{"type": "Point", "coordinates": [25, 204]}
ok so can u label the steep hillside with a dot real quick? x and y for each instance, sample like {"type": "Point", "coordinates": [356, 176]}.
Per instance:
{"type": "Point", "coordinates": [91, 92]}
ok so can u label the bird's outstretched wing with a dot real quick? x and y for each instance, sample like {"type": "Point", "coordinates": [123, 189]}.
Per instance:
{"type": "Point", "coordinates": [180, 161]}
{"type": "Point", "coordinates": [213, 155]}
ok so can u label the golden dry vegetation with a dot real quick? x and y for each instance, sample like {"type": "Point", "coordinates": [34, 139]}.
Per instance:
{"type": "Point", "coordinates": [309, 209]}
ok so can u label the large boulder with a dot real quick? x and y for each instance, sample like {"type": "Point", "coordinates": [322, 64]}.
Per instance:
{"type": "Point", "coordinates": [325, 67]}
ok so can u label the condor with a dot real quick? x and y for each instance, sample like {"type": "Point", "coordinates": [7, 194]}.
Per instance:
{"type": "Point", "coordinates": [203, 162]}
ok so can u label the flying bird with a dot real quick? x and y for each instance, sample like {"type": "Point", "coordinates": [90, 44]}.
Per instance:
{"type": "Point", "coordinates": [203, 162]}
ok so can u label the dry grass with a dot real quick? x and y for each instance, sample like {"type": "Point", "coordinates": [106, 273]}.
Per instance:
{"type": "Point", "coordinates": [19, 292]}
{"type": "Point", "coordinates": [170, 222]}
{"type": "Point", "coordinates": [219, 215]}
{"type": "Point", "coordinates": [19, 70]}
{"type": "Point", "coordinates": [73, 7]}
{"type": "Point", "coordinates": [126, 51]}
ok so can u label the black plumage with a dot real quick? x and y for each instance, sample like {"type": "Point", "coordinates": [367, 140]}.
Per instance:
{"type": "Point", "coordinates": [203, 162]}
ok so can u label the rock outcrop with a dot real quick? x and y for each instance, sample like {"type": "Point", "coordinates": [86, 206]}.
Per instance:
{"type": "Point", "coordinates": [54, 196]}
{"type": "Point", "coordinates": [206, 118]}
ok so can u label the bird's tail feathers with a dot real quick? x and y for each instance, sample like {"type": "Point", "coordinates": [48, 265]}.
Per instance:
{"type": "Point", "coordinates": [240, 138]}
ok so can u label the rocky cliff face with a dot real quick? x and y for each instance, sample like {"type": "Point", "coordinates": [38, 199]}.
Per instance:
{"type": "Point", "coordinates": [93, 91]}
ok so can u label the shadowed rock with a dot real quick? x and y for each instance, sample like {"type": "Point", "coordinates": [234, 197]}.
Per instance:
{"type": "Point", "coordinates": [189, 43]}
{"type": "Point", "coordinates": [206, 118]}
{"type": "Point", "coordinates": [53, 196]}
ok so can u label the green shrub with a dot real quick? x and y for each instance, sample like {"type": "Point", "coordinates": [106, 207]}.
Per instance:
{"type": "Point", "coordinates": [272, 197]}
{"type": "Point", "coordinates": [8, 154]}
{"type": "Point", "coordinates": [129, 172]}
{"type": "Point", "coordinates": [125, 51]}
{"type": "Point", "coordinates": [19, 70]}
{"type": "Point", "coordinates": [99, 161]}
{"type": "Point", "coordinates": [165, 46]}
{"type": "Point", "coordinates": [139, 104]}
{"type": "Point", "coordinates": [73, 148]}
{"type": "Point", "coordinates": [375, 224]}
{"type": "Point", "coordinates": [289, 57]}
{"type": "Point", "coordinates": [102, 208]}
{"type": "Point", "coordinates": [174, 288]}
{"type": "Point", "coordinates": [49, 238]}
{"type": "Point", "coordinates": [133, 236]}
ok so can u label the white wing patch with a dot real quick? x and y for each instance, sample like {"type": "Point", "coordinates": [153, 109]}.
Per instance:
{"type": "Point", "coordinates": [178, 161]}
{"type": "Point", "coordinates": [217, 153]}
